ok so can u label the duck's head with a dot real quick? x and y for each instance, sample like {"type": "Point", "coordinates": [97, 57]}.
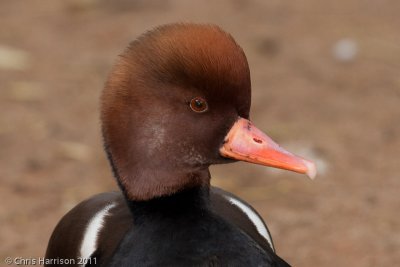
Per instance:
{"type": "Point", "coordinates": [177, 101]}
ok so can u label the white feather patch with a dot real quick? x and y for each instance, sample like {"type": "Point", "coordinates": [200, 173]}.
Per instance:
{"type": "Point", "coordinates": [254, 218]}
{"type": "Point", "coordinates": [89, 241]}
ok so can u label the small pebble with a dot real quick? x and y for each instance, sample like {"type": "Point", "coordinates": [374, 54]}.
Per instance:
{"type": "Point", "coordinates": [13, 59]}
{"type": "Point", "coordinates": [345, 50]}
{"type": "Point", "coordinates": [74, 151]}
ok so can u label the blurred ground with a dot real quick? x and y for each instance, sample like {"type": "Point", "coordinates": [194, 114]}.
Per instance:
{"type": "Point", "coordinates": [326, 84]}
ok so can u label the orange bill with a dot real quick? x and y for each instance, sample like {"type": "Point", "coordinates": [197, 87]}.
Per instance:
{"type": "Point", "coordinates": [247, 143]}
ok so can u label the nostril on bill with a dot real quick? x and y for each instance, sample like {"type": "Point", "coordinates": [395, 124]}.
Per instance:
{"type": "Point", "coordinates": [257, 140]}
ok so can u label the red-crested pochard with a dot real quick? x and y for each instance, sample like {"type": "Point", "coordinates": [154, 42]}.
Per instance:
{"type": "Point", "coordinates": [176, 102]}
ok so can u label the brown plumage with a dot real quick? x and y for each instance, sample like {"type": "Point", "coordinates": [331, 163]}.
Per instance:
{"type": "Point", "coordinates": [171, 58]}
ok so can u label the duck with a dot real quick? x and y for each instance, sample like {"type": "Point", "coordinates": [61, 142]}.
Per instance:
{"type": "Point", "coordinates": [176, 102]}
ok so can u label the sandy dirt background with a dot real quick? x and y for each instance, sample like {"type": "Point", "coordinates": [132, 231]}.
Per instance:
{"type": "Point", "coordinates": [326, 85]}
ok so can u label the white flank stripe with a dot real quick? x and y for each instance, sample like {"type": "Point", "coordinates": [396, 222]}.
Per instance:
{"type": "Point", "coordinates": [92, 230]}
{"type": "Point", "coordinates": [254, 218]}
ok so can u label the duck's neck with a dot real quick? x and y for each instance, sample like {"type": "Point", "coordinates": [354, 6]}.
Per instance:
{"type": "Point", "coordinates": [180, 204]}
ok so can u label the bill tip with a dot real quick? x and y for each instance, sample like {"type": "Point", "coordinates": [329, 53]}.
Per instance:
{"type": "Point", "coordinates": [311, 169]}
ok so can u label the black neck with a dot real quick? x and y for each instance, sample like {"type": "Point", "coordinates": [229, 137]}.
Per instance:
{"type": "Point", "coordinates": [170, 207]}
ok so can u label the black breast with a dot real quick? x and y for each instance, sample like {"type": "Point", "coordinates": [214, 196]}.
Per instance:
{"type": "Point", "coordinates": [204, 240]}
{"type": "Point", "coordinates": [178, 232]}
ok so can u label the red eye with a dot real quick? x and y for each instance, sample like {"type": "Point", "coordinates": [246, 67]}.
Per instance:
{"type": "Point", "coordinates": [198, 104]}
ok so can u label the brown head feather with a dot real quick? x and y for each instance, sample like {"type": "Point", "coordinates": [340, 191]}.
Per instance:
{"type": "Point", "coordinates": [153, 141]}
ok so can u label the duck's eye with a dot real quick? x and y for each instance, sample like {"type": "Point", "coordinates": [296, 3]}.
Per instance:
{"type": "Point", "coordinates": [198, 104]}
